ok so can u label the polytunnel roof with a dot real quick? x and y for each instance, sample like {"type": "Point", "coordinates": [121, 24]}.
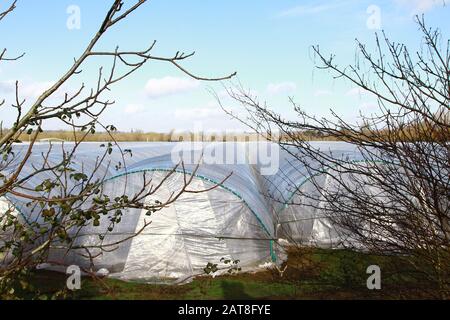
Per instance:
{"type": "Point", "coordinates": [292, 173]}
{"type": "Point", "coordinates": [241, 178]}
{"type": "Point", "coordinates": [237, 167]}
{"type": "Point", "coordinates": [265, 195]}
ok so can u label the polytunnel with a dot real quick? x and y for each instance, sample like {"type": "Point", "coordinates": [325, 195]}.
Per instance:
{"type": "Point", "coordinates": [295, 196]}
{"type": "Point", "coordinates": [232, 219]}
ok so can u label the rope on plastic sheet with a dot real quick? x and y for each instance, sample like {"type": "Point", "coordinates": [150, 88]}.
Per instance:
{"type": "Point", "coordinates": [17, 209]}
{"type": "Point", "coordinates": [322, 171]}
{"type": "Point", "coordinates": [235, 193]}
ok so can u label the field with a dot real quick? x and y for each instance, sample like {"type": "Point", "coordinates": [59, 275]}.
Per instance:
{"type": "Point", "coordinates": [141, 136]}
{"type": "Point", "coordinates": [311, 274]}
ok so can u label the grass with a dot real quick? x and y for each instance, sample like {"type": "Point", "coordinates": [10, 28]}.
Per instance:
{"type": "Point", "coordinates": [311, 274]}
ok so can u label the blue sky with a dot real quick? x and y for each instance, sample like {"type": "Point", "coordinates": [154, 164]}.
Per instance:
{"type": "Point", "coordinates": [268, 42]}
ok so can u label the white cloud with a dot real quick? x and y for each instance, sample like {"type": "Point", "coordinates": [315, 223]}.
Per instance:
{"type": "Point", "coordinates": [166, 86]}
{"type": "Point", "coordinates": [322, 93]}
{"type": "Point", "coordinates": [415, 6]}
{"type": "Point", "coordinates": [35, 89]}
{"type": "Point", "coordinates": [356, 92]}
{"type": "Point", "coordinates": [231, 91]}
{"type": "Point", "coordinates": [369, 106]}
{"type": "Point", "coordinates": [209, 111]}
{"type": "Point", "coordinates": [7, 86]}
{"type": "Point", "coordinates": [281, 88]}
{"type": "Point", "coordinates": [420, 6]}
{"type": "Point", "coordinates": [197, 113]}
{"type": "Point", "coordinates": [311, 9]}
{"type": "Point", "coordinates": [28, 89]}
{"type": "Point", "coordinates": [134, 108]}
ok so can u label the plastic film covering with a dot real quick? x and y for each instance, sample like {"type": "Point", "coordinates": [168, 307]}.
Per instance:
{"type": "Point", "coordinates": [300, 218]}
{"type": "Point", "coordinates": [232, 220]}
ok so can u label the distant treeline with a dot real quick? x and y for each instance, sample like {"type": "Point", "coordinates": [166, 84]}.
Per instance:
{"type": "Point", "coordinates": [137, 136]}
{"type": "Point", "coordinates": [408, 133]}
{"type": "Point", "coordinates": [141, 136]}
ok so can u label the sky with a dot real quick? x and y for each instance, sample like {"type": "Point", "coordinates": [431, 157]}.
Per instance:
{"type": "Point", "coordinates": [267, 42]}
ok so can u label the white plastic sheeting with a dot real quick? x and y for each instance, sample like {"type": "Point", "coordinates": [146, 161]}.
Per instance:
{"type": "Point", "coordinates": [231, 221]}
{"type": "Point", "coordinates": [295, 197]}
{"type": "Point", "coordinates": [6, 207]}
{"type": "Point", "coordinates": [238, 220]}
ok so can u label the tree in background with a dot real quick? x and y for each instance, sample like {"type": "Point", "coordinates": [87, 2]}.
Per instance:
{"type": "Point", "coordinates": [395, 200]}
{"type": "Point", "coordinates": [70, 199]}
